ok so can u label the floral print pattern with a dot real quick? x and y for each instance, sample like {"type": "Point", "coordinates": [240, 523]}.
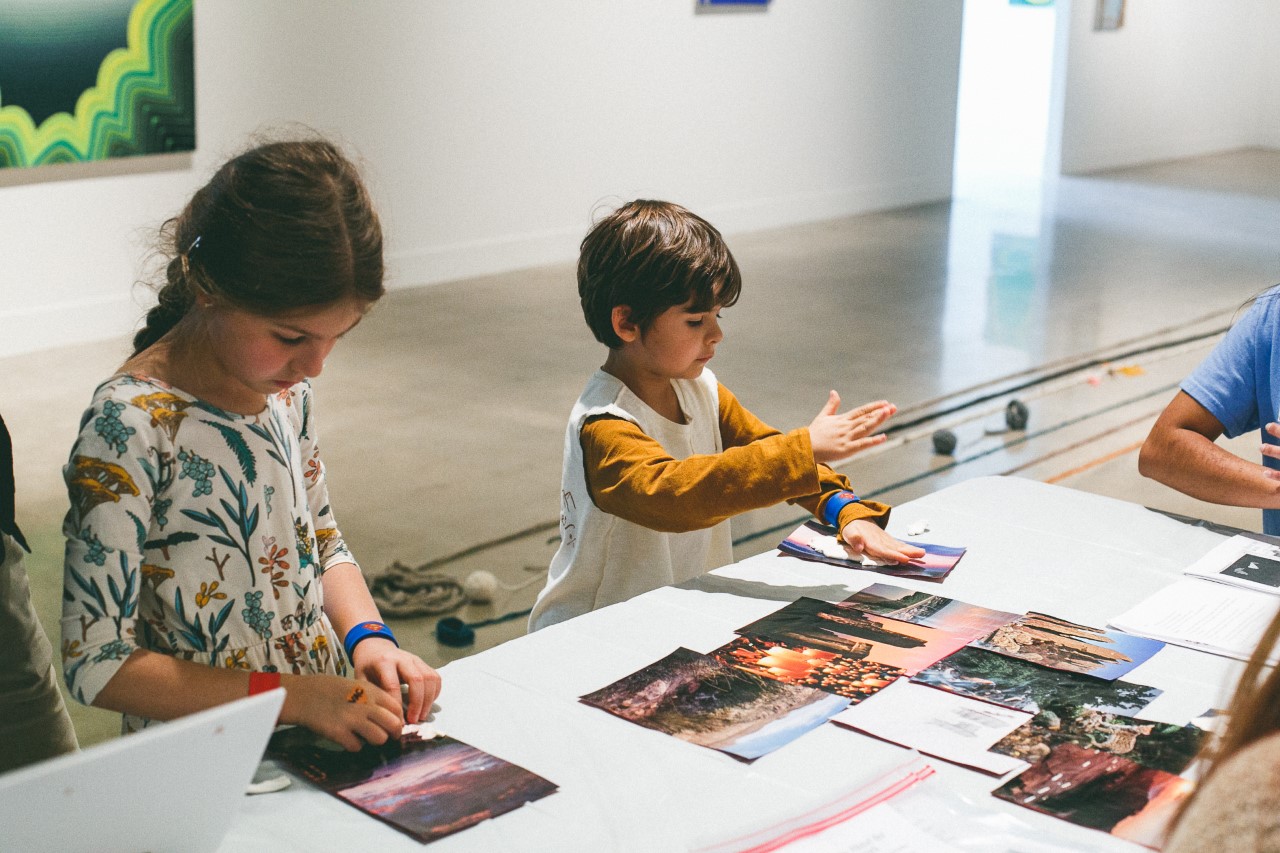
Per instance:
{"type": "Point", "coordinates": [172, 544]}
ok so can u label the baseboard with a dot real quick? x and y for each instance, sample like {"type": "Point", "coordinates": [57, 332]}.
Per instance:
{"type": "Point", "coordinates": [1103, 159]}
{"type": "Point", "coordinates": [40, 327]}
{"type": "Point", "coordinates": [439, 264]}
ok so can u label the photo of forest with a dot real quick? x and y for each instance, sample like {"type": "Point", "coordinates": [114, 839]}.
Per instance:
{"type": "Point", "coordinates": [698, 699]}
{"type": "Point", "coordinates": [1025, 686]}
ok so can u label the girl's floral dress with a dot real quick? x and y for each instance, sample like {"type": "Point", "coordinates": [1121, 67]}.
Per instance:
{"type": "Point", "coordinates": [197, 533]}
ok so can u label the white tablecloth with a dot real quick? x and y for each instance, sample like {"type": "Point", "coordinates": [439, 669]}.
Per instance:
{"type": "Point", "coordinates": [622, 787]}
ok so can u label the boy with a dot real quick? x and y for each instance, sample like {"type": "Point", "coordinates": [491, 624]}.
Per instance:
{"type": "Point", "coordinates": [658, 456]}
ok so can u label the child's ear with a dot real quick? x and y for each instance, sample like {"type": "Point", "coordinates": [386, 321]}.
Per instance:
{"type": "Point", "coordinates": [623, 327]}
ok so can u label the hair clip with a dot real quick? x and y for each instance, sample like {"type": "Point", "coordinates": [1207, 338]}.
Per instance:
{"type": "Point", "coordinates": [186, 264]}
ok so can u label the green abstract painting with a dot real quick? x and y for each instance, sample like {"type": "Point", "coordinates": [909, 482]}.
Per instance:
{"type": "Point", "coordinates": [91, 79]}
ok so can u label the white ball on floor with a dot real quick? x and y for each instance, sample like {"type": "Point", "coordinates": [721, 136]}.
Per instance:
{"type": "Point", "coordinates": [481, 587]}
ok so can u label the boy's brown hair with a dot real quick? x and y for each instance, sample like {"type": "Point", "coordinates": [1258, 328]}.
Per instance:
{"type": "Point", "coordinates": [651, 256]}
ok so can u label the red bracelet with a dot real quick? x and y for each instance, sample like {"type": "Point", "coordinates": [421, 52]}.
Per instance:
{"type": "Point", "coordinates": [261, 682]}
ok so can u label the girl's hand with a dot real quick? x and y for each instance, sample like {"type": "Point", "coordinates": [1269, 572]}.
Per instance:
{"type": "Point", "coordinates": [866, 537]}
{"type": "Point", "coordinates": [839, 436]}
{"type": "Point", "coordinates": [348, 712]}
{"type": "Point", "coordinates": [389, 666]}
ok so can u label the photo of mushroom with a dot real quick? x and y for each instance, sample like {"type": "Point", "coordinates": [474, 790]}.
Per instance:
{"type": "Point", "coordinates": [831, 672]}
{"type": "Point", "coordinates": [852, 633]}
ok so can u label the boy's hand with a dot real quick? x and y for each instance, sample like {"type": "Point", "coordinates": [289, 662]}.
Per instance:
{"type": "Point", "coordinates": [839, 436]}
{"type": "Point", "coordinates": [866, 537]}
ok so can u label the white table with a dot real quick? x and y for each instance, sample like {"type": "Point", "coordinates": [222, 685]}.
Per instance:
{"type": "Point", "coordinates": [622, 787]}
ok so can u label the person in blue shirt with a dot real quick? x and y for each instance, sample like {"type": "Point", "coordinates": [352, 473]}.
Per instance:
{"type": "Point", "coordinates": [1233, 392]}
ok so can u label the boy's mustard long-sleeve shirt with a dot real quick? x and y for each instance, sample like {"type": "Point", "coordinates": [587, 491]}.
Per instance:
{"type": "Point", "coordinates": [630, 475]}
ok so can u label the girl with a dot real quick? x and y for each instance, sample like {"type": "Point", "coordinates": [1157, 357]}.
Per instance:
{"type": "Point", "coordinates": [203, 561]}
{"type": "Point", "coordinates": [1237, 803]}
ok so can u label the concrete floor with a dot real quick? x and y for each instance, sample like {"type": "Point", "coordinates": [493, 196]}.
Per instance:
{"type": "Point", "coordinates": [442, 415]}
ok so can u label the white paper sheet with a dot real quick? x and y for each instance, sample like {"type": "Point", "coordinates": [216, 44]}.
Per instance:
{"type": "Point", "coordinates": [1203, 615]}
{"type": "Point", "coordinates": [954, 728]}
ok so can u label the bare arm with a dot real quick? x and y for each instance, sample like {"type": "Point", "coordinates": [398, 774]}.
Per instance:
{"type": "Point", "coordinates": [1180, 452]}
{"type": "Point", "coordinates": [347, 602]}
{"type": "Point", "coordinates": [161, 687]}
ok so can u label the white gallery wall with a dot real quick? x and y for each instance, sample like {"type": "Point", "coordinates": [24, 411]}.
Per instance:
{"type": "Point", "coordinates": [1180, 78]}
{"type": "Point", "coordinates": [490, 131]}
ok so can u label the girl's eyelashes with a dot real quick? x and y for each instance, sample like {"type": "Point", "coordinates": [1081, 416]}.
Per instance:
{"type": "Point", "coordinates": [290, 341]}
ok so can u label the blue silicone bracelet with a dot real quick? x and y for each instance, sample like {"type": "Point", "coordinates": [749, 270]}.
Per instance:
{"type": "Point", "coordinates": [363, 631]}
{"type": "Point", "coordinates": [835, 503]}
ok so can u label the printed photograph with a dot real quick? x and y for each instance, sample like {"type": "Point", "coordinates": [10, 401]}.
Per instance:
{"type": "Point", "coordinates": [853, 678]}
{"type": "Point", "coordinates": [1025, 686]}
{"type": "Point", "coordinates": [936, 611]}
{"type": "Point", "coordinates": [1160, 746]}
{"type": "Point", "coordinates": [1251, 567]}
{"type": "Point", "coordinates": [1059, 644]}
{"type": "Point", "coordinates": [427, 789]}
{"type": "Point", "coordinates": [854, 634]}
{"type": "Point", "coordinates": [814, 541]}
{"type": "Point", "coordinates": [698, 699]}
{"type": "Point", "coordinates": [1101, 791]}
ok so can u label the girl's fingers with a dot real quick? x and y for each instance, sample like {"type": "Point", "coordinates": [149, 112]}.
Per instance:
{"type": "Point", "coordinates": [388, 702]}
{"type": "Point", "coordinates": [371, 732]}
{"type": "Point", "coordinates": [347, 740]}
{"type": "Point", "coordinates": [417, 696]}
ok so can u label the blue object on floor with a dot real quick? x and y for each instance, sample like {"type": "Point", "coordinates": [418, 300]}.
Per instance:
{"type": "Point", "coordinates": [452, 631]}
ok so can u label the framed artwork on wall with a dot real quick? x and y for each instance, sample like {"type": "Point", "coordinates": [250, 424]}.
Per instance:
{"type": "Point", "coordinates": [82, 81]}
{"type": "Point", "coordinates": [1108, 15]}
